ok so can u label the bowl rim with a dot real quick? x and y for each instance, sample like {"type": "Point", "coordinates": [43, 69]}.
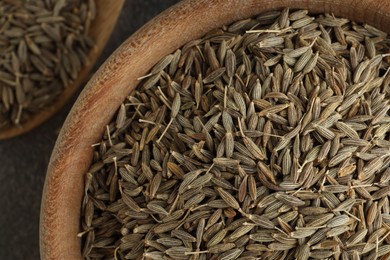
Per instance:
{"type": "Point", "coordinates": [71, 157]}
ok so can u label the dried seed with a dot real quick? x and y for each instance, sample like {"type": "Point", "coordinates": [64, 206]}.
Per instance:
{"type": "Point", "coordinates": [276, 141]}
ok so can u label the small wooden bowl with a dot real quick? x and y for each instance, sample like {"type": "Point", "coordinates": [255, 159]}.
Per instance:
{"type": "Point", "coordinates": [188, 20]}
{"type": "Point", "coordinates": [107, 13]}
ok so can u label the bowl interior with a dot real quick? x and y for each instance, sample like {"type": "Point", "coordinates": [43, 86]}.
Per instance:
{"type": "Point", "coordinates": [101, 28]}
{"type": "Point", "coordinates": [60, 213]}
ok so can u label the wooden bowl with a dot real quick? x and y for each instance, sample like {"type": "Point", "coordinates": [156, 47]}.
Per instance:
{"type": "Point", "coordinates": [107, 13]}
{"type": "Point", "coordinates": [190, 19]}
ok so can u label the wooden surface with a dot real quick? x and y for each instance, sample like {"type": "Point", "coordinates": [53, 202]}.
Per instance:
{"type": "Point", "coordinates": [101, 28]}
{"type": "Point", "coordinates": [23, 160]}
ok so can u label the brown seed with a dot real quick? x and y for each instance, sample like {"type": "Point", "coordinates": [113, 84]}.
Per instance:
{"type": "Point", "coordinates": [381, 193]}
{"type": "Point", "coordinates": [289, 200]}
{"type": "Point", "coordinates": [214, 75]}
{"type": "Point", "coordinates": [242, 190]}
{"type": "Point", "coordinates": [228, 198]}
{"type": "Point", "coordinates": [302, 233]}
{"type": "Point", "coordinates": [357, 237]}
{"type": "Point", "coordinates": [217, 238]}
{"type": "Point", "coordinates": [239, 232]}
{"type": "Point", "coordinates": [261, 221]}
{"type": "Point", "coordinates": [182, 235]}
{"type": "Point", "coordinates": [130, 203]}
{"type": "Point", "coordinates": [276, 140]}
{"type": "Point", "coordinates": [271, 42]}
{"type": "Point", "coordinates": [252, 187]}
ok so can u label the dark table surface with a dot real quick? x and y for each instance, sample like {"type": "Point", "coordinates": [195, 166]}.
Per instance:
{"type": "Point", "coordinates": [23, 160]}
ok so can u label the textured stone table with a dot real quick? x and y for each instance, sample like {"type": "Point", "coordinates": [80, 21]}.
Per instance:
{"type": "Point", "coordinates": [23, 160]}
